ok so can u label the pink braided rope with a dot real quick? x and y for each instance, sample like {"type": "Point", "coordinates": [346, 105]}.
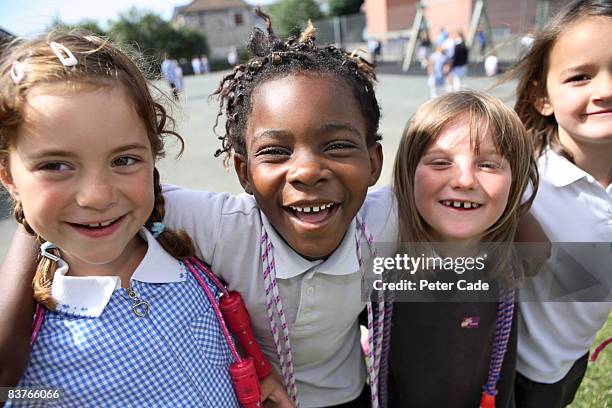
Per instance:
{"type": "Point", "coordinates": [503, 327]}
{"type": "Point", "coordinates": [213, 301]}
{"type": "Point", "coordinates": [375, 337]}
{"type": "Point", "coordinates": [39, 317]}
{"type": "Point", "coordinates": [273, 302]}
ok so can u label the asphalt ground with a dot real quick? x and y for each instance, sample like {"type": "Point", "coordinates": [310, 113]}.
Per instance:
{"type": "Point", "coordinates": [399, 96]}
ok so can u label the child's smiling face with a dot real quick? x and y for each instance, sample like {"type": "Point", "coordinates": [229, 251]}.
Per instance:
{"type": "Point", "coordinates": [579, 84]}
{"type": "Point", "coordinates": [307, 161]}
{"type": "Point", "coordinates": [460, 193]}
{"type": "Point", "coordinates": [82, 168]}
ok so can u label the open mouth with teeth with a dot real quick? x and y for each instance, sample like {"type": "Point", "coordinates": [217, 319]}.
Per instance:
{"type": "Point", "coordinates": [313, 213]}
{"type": "Point", "coordinates": [461, 205]}
{"type": "Point", "coordinates": [97, 225]}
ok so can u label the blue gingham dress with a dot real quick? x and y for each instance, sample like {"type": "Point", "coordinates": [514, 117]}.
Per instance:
{"type": "Point", "coordinates": [176, 356]}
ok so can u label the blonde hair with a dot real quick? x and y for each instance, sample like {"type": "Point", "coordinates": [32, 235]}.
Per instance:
{"type": "Point", "coordinates": [101, 64]}
{"type": "Point", "coordinates": [486, 115]}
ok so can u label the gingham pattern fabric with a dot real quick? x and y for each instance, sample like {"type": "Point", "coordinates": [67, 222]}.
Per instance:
{"type": "Point", "coordinates": [176, 356]}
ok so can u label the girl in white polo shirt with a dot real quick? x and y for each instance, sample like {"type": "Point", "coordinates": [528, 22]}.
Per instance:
{"type": "Point", "coordinates": [565, 100]}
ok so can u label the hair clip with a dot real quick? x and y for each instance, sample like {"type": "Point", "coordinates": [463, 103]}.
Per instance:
{"type": "Point", "coordinates": [44, 251]}
{"type": "Point", "coordinates": [65, 56]}
{"type": "Point", "coordinates": [157, 228]}
{"type": "Point", "coordinates": [17, 72]}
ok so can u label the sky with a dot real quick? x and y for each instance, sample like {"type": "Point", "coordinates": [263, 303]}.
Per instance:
{"type": "Point", "coordinates": [31, 17]}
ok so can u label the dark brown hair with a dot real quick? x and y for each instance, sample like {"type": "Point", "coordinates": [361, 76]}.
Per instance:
{"type": "Point", "coordinates": [532, 69]}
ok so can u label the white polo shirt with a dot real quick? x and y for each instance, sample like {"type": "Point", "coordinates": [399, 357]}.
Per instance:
{"type": "Point", "coordinates": [321, 299]}
{"type": "Point", "coordinates": [571, 206]}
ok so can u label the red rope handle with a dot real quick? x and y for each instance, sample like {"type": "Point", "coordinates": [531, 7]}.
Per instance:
{"type": "Point", "coordinates": [600, 348]}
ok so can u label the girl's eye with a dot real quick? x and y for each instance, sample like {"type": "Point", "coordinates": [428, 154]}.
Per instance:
{"type": "Point", "coordinates": [339, 145]}
{"type": "Point", "coordinates": [124, 161]}
{"type": "Point", "coordinates": [578, 78]}
{"type": "Point", "coordinates": [273, 151]}
{"type": "Point", "coordinates": [440, 163]}
{"type": "Point", "coordinates": [55, 166]}
{"type": "Point", "coordinates": [490, 165]}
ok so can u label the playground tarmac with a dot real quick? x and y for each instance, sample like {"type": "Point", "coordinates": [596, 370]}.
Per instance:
{"type": "Point", "coordinates": [399, 96]}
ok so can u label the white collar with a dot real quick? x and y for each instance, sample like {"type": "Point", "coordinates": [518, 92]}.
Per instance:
{"type": "Point", "coordinates": [87, 296]}
{"type": "Point", "coordinates": [289, 264]}
{"type": "Point", "coordinates": [560, 171]}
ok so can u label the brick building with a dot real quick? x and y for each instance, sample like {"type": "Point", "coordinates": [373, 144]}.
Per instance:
{"type": "Point", "coordinates": [225, 23]}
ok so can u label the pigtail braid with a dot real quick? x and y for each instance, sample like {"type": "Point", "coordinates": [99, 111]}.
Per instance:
{"type": "Point", "coordinates": [178, 244]}
{"type": "Point", "coordinates": [20, 217]}
{"type": "Point", "coordinates": [45, 268]}
{"type": "Point", "coordinates": [41, 284]}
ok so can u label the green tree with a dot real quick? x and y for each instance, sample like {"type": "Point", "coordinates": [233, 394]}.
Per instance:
{"type": "Point", "coordinates": [289, 17]}
{"type": "Point", "coordinates": [87, 24]}
{"type": "Point", "coordinates": [150, 33]}
{"type": "Point", "coordinates": [344, 7]}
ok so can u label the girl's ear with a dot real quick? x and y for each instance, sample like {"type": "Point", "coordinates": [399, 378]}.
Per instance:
{"type": "Point", "coordinates": [542, 105]}
{"type": "Point", "coordinates": [541, 102]}
{"type": "Point", "coordinates": [376, 162]}
{"type": "Point", "coordinates": [7, 181]}
{"type": "Point", "coordinates": [242, 170]}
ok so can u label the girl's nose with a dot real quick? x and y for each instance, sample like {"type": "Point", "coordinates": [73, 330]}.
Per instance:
{"type": "Point", "coordinates": [603, 87]}
{"type": "Point", "coordinates": [307, 170]}
{"type": "Point", "coordinates": [98, 194]}
{"type": "Point", "coordinates": [463, 177]}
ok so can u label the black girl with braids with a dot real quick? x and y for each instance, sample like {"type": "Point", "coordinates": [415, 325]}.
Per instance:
{"type": "Point", "coordinates": [301, 124]}
{"type": "Point", "coordinates": [125, 322]}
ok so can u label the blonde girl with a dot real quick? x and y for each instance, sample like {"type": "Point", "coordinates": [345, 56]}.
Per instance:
{"type": "Point", "coordinates": [463, 165]}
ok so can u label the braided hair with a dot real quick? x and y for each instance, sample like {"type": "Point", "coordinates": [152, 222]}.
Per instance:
{"type": "Point", "coordinates": [272, 58]}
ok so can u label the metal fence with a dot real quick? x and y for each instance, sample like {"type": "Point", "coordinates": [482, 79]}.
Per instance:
{"type": "Point", "coordinates": [347, 32]}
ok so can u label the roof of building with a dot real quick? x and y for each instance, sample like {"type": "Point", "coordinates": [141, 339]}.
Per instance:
{"type": "Point", "coordinates": [210, 5]}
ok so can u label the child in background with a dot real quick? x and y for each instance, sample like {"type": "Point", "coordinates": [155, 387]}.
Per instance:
{"type": "Point", "coordinates": [458, 62]}
{"type": "Point", "coordinates": [126, 323]}
{"type": "Point", "coordinates": [302, 122]}
{"type": "Point", "coordinates": [463, 165]}
{"type": "Point", "coordinates": [437, 69]}
{"type": "Point", "coordinates": [564, 98]}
